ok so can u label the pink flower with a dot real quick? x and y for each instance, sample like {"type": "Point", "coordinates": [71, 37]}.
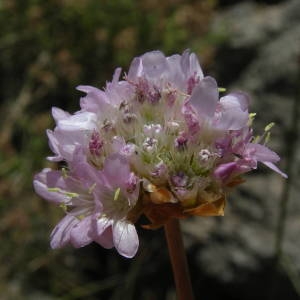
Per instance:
{"type": "Point", "coordinates": [180, 71]}
{"type": "Point", "coordinates": [96, 203]}
{"type": "Point", "coordinates": [116, 194]}
{"type": "Point", "coordinates": [73, 192]}
{"type": "Point", "coordinates": [70, 131]}
{"type": "Point", "coordinates": [228, 113]}
{"type": "Point", "coordinates": [158, 142]}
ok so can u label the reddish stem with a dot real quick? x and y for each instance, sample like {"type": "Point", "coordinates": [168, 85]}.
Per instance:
{"type": "Point", "coordinates": [178, 260]}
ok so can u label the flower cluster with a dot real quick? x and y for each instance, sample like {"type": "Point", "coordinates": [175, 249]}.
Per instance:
{"type": "Point", "coordinates": [159, 143]}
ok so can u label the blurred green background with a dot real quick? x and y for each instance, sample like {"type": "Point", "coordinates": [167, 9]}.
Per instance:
{"type": "Point", "coordinates": [47, 48]}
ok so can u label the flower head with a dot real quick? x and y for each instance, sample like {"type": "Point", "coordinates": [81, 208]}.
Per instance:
{"type": "Point", "coordinates": [160, 142]}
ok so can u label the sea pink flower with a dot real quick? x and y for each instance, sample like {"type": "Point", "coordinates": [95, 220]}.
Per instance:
{"type": "Point", "coordinates": [96, 203]}
{"type": "Point", "coordinates": [160, 142]}
{"type": "Point", "coordinates": [70, 131]}
{"type": "Point", "coordinates": [116, 194]}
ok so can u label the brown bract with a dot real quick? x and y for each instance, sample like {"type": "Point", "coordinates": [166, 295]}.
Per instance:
{"type": "Point", "coordinates": [159, 208]}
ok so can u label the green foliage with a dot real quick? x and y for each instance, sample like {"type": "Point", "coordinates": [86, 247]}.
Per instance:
{"type": "Point", "coordinates": [46, 49]}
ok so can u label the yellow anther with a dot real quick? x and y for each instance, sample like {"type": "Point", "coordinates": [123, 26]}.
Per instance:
{"type": "Point", "coordinates": [117, 194]}
{"type": "Point", "coordinates": [63, 206]}
{"type": "Point", "coordinates": [91, 188]}
{"type": "Point", "coordinates": [70, 194]}
{"type": "Point", "coordinates": [64, 172]}
{"type": "Point", "coordinates": [269, 126]}
{"type": "Point", "coordinates": [54, 190]}
{"type": "Point", "coordinates": [251, 118]}
{"type": "Point", "coordinates": [267, 138]}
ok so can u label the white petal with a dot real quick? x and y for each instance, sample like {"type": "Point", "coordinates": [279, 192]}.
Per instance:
{"type": "Point", "coordinates": [80, 121]}
{"type": "Point", "coordinates": [125, 238]}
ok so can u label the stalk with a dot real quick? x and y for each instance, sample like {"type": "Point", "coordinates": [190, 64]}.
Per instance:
{"type": "Point", "coordinates": [178, 260]}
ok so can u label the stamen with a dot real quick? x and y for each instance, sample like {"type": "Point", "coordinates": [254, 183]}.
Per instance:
{"type": "Point", "coordinates": [117, 194]}
{"type": "Point", "coordinates": [96, 144]}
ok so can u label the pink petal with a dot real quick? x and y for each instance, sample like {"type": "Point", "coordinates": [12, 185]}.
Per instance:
{"type": "Point", "coordinates": [234, 113]}
{"type": "Point", "coordinates": [205, 97]}
{"type": "Point", "coordinates": [116, 170]}
{"type": "Point", "coordinates": [190, 64]}
{"type": "Point", "coordinates": [154, 64]}
{"type": "Point", "coordinates": [82, 169]}
{"type": "Point", "coordinates": [60, 236]}
{"type": "Point", "coordinates": [224, 171]}
{"type": "Point", "coordinates": [63, 142]}
{"type": "Point", "coordinates": [59, 114]}
{"type": "Point", "coordinates": [95, 100]}
{"type": "Point", "coordinates": [54, 146]}
{"type": "Point", "coordinates": [274, 168]}
{"type": "Point", "coordinates": [242, 98]}
{"type": "Point", "coordinates": [116, 76]}
{"type": "Point", "coordinates": [175, 74]}
{"type": "Point", "coordinates": [135, 69]}
{"type": "Point", "coordinates": [106, 239]}
{"type": "Point", "coordinates": [262, 153]}
{"type": "Point", "coordinates": [80, 236]}
{"type": "Point", "coordinates": [44, 181]}
{"type": "Point", "coordinates": [102, 232]}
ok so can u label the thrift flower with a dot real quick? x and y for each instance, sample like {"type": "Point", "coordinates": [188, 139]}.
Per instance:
{"type": "Point", "coordinates": [159, 142]}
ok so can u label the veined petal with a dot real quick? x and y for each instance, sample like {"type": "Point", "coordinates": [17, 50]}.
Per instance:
{"type": "Point", "coordinates": [60, 235]}
{"type": "Point", "coordinates": [106, 238]}
{"type": "Point", "coordinates": [125, 238]}
{"type": "Point", "coordinates": [116, 170]}
{"type": "Point", "coordinates": [59, 114]}
{"type": "Point", "coordinates": [82, 169]}
{"type": "Point", "coordinates": [135, 70]}
{"type": "Point", "coordinates": [54, 146]}
{"type": "Point", "coordinates": [44, 181]}
{"type": "Point", "coordinates": [175, 74]}
{"type": "Point", "coordinates": [80, 233]}
{"type": "Point", "coordinates": [205, 97]}
{"type": "Point", "coordinates": [154, 64]}
{"type": "Point", "coordinates": [64, 142]}
{"type": "Point", "coordinates": [80, 121]}
{"type": "Point", "coordinates": [95, 100]}
{"type": "Point", "coordinates": [190, 64]}
{"type": "Point", "coordinates": [262, 153]}
{"type": "Point", "coordinates": [100, 225]}
{"type": "Point", "coordinates": [242, 98]}
{"type": "Point", "coordinates": [102, 231]}
{"type": "Point", "coordinates": [234, 112]}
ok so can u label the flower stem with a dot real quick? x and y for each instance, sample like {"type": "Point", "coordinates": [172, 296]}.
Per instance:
{"type": "Point", "coordinates": [178, 260]}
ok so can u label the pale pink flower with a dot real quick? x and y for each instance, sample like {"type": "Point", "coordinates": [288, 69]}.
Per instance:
{"type": "Point", "coordinates": [160, 142]}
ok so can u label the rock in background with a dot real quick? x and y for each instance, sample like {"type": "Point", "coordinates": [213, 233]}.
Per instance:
{"type": "Point", "coordinates": [260, 54]}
